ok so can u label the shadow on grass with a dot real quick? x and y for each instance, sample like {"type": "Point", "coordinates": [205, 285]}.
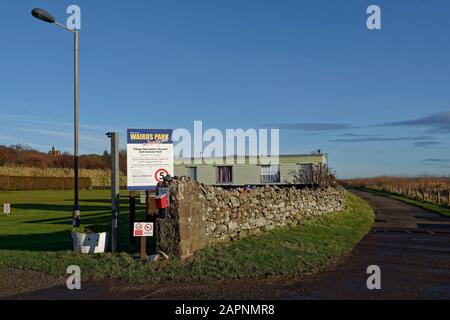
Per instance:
{"type": "Point", "coordinates": [62, 241]}
{"type": "Point", "coordinates": [54, 241]}
{"type": "Point", "coordinates": [61, 214]}
{"type": "Point", "coordinates": [101, 217]}
{"type": "Point", "coordinates": [123, 201]}
{"type": "Point", "coordinates": [57, 207]}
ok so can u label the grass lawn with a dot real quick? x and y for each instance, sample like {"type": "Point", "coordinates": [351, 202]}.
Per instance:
{"type": "Point", "coordinates": [442, 209]}
{"type": "Point", "coordinates": [36, 236]}
{"type": "Point", "coordinates": [41, 220]}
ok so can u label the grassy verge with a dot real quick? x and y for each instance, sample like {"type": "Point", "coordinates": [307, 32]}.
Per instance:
{"type": "Point", "coordinates": [443, 210]}
{"type": "Point", "coordinates": [305, 248]}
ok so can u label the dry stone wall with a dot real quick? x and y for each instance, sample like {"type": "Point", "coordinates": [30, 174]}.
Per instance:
{"type": "Point", "coordinates": [200, 215]}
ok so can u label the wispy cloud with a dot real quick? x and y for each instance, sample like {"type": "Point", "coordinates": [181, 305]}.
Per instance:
{"type": "Point", "coordinates": [353, 135]}
{"type": "Point", "coordinates": [426, 144]}
{"type": "Point", "coordinates": [64, 134]}
{"type": "Point", "coordinates": [436, 160]}
{"type": "Point", "coordinates": [8, 138]}
{"type": "Point", "coordinates": [41, 121]}
{"type": "Point", "coordinates": [309, 126]}
{"type": "Point", "coordinates": [381, 139]}
{"type": "Point", "coordinates": [437, 123]}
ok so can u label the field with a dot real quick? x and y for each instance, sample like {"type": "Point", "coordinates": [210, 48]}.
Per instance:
{"type": "Point", "coordinates": [36, 237]}
{"type": "Point", "coordinates": [431, 189]}
{"type": "Point", "coordinates": [431, 193]}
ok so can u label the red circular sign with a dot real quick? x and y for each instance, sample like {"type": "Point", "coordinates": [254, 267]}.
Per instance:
{"type": "Point", "coordinates": [148, 227]}
{"type": "Point", "coordinates": [160, 174]}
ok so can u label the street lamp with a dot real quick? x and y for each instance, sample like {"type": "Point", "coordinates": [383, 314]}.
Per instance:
{"type": "Point", "coordinates": [47, 17]}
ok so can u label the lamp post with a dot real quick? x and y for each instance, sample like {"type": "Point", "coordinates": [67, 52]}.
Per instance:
{"type": "Point", "coordinates": [47, 17]}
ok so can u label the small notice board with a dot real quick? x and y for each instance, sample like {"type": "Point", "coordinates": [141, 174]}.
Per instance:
{"type": "Point", "coordinates": [143, 229]}
{"type": "Point", "coordinates": [149, 157]}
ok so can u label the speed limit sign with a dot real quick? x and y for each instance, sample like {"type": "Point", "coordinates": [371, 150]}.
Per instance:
{"type": "Point", "coordinates": [160, 174]}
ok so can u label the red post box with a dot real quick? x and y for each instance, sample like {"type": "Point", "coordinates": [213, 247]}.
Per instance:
{"type": "Point", "coordinates": [161, 201]}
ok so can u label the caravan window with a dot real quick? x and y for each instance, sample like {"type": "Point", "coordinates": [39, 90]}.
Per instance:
{"type": "Point", "coordinates": [192, 173]}
{"type": "Point", "coordinates": [225, 174]}
{"type": "Point", "coordinates": [270, 174]}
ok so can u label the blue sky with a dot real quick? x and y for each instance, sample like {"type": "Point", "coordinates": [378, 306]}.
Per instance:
{"type": "Point", "coordinates": [378, 102]}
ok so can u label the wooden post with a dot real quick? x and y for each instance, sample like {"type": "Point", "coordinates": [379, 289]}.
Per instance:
{"type": "Point", "coordinates": [151, 216]}
{"type": "Point", "coordinates": [132, 215]}
{"type": "Point", "coordinates": [148, 208]}
{"type": "Point", "coordinates": [144, 257]}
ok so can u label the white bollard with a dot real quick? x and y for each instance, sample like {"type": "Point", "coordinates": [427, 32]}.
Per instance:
{"type": "Point", "coordinates": [6, 208]}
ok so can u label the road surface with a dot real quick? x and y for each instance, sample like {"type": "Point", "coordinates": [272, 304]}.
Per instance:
{"type": "Point", "coordinates": [409, 244]}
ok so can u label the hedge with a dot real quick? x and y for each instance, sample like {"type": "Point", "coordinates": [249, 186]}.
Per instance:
{"type": "Point", "coordinates": [13, 183]}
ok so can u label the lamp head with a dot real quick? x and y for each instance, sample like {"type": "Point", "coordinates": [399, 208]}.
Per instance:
{"type": "Point", "coordinates": [43, 15]}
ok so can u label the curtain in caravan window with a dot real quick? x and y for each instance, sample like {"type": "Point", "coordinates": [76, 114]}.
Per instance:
{"type": "Point", "coordinates": [270, 174]}
{"type": "Point", "coordinates": [224, 175]}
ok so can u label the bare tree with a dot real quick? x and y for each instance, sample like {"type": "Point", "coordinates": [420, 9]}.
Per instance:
{"type": "Point", "coordinates": [318, 174]}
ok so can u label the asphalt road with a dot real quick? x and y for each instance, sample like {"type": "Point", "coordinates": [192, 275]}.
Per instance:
{"type": "Point", "coordinates": [409, 244]}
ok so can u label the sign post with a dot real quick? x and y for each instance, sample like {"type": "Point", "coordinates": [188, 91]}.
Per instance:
{"type": "Point", "coordinates": [149, 160]}
{"type": "Point", "coordinates": [143, 230]}
{"type": "Point", "coordinates": [132, 206]}
{"type": "Point", "coordinates": [143, 253]}
{"type": "Point", "coordinates": [115, 189]}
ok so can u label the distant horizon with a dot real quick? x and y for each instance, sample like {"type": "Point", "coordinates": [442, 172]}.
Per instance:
{"type": "Point", "coordinates": [414, 175]}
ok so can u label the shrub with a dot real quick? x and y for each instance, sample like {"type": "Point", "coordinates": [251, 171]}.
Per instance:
{"type": "Point", "coordinates": [4, 183]}
{"type": "Point", "coordinates": [96, 228]}
{"type": "Point", "coordinates": [14, 183]}
{"type": "Point", "coordinates": [318, 174]}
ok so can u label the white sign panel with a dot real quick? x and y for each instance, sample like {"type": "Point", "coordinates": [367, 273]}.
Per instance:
{"type": "Point", "coordinates": [143, 229]}
{"type": "Point", "coordinates": [149, 157]}
{"type": "Point", "coordinates": [6, 208]}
